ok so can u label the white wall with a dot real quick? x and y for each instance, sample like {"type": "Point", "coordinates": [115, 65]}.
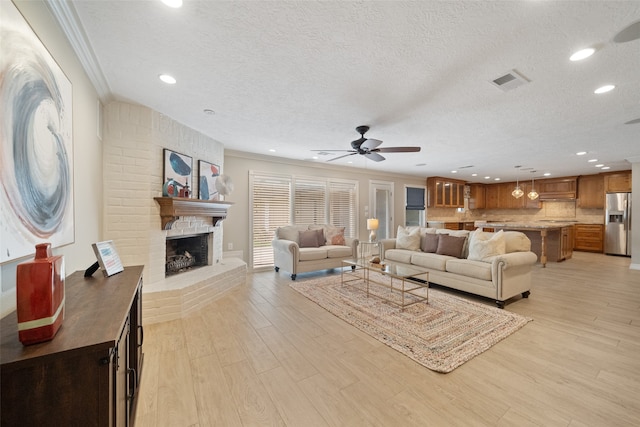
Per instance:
{"type": "Point", "coordinates": [87, 152]}
{"type": "Point", "coordinates": [237, 165]}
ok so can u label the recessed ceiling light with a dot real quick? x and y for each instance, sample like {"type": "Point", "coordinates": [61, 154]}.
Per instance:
{"type": "Point", "coordinates": [496, 179]}
{"type": "Point", "coordinates": [474, 174]}
{"type": "Point", "coordinates": [173, 3]}
{"type": "Point", "coordinates": [581, 153]}
{"type": "Point", "coordinates": [350, 161]}
{"type": "Point", "coordinates": [582, 54]}
{"type": "Point", "coordinates": [592, 160]}
{"type": "Point", "coordinates": [454, 171]}
{"type": "Point", "coordinates": [547, 174]}
{"type": "Point", "coordinates": [604, 89]}
{"type": "Point", "coordinates": [487, 177]}
{"type": "Point", "coordinates": [170, 80]}
{"type": "Point", "coordinates": [599, 165]}
{"type": "Point", "coordinates": [272, 150]}
{"type": "Point", "coordinates": [605, 168]}
{"type": "Point", "coordinates": [315, 157]}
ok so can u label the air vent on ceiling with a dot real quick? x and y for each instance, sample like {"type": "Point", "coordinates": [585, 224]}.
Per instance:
{"type": "Point", "coordinates": [510, 81]}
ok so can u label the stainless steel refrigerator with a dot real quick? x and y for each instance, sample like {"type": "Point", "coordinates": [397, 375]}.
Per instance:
{"type": "Point", "coordinates": [617, 240]}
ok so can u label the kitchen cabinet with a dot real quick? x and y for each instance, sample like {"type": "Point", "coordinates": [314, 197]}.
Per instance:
{"type": "Point", "coordinates": [617, 182]}
{"type": "Point", "coordinates": [88, 374]}
{"type": "Point", "coordinates": [589, 238]}
{"type": "Point", "coordinates": [566, 244]}
{"type": "Point", "coordinates": [476, 196]}
{"type": "Point", "coordinates": [445, 193]}
{"type": "Point", "coordinates": [498, 196]}
{"type": "Point", "coordinates": [557, 188]}
{"type": "Point", "coordinates": [591, 191]}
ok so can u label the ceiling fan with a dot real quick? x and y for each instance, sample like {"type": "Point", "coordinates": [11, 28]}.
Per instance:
{"type": "Point", "coordinates": [368, 147]}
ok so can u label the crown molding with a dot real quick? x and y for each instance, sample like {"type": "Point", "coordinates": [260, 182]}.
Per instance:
{"type": "Point", "coordinates": [68, 20]}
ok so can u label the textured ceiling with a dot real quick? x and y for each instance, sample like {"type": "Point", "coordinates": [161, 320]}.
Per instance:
{"type": "Point", "coordinates": [301, 75]}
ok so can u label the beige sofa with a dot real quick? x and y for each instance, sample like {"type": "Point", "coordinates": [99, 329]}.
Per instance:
{"type": "Point", "coordinates": [492, 265]}
{"type": "Point", "coordinates": [296, 251]}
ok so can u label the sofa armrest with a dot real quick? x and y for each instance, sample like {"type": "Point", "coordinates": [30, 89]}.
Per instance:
{"type": "Point", "coordinates": [283, 245]}
{"type": "Point", "coordinates": [515, 259]}
{"type": "Point", "coordinates": [353, 243]}
{"type": "Point", "coordinates": [385, 245]}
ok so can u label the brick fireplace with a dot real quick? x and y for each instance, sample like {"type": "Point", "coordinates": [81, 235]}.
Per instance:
{"type": "Point", "coordinates": [133, 143]}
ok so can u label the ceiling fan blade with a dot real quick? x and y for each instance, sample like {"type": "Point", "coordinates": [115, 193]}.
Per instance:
{"type": "Point", "coordinates": [374, 156]}
{"type": "Point", "coordinates": [333, 151]}
{"type": "Point", "coordinates": [370, 144]}
{"type": "Point", "coordinates": [398, 149]}
{"type": "Point", "coordinates": [336, 158]}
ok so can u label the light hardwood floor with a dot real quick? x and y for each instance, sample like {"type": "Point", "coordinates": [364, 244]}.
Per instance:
{"type": "Point", "coordinates": [264, 355]}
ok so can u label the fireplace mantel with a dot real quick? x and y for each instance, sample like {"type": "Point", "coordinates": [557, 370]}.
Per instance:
{"type": "Point", "coordinates": [171, 208]}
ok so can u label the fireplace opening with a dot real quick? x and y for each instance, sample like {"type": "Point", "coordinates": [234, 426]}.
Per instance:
{"type": "Point", "coordinates": [185, 253]}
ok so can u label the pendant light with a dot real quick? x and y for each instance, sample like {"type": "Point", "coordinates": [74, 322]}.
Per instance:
{"type": "Point", "coordinates": [517, 192]}
{"type": "Point", "coordinates": [533, 194]}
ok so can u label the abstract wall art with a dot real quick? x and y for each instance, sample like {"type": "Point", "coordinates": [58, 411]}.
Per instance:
{"type": "Point", "coordinates": [36, 145]}
{"type": "Point", "coordinates": [177, 174]}
{"type": "Point", "coordinates": [208, 173]}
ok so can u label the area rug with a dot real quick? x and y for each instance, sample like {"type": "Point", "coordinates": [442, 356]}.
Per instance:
{"type": "Point", "coordinates": [440, 335]}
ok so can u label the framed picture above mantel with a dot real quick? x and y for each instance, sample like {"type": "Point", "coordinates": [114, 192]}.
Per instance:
{"type": "Point", "coordinates": [208, 173]}
{"type": "Point", "coordinates": [177, 181]}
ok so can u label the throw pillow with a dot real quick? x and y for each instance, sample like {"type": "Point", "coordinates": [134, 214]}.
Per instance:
{"type": "Point", "coordinates": [308, 239]}
{"type": "Point", "coordinates": [408, 239]}
{"type": "Point", "coordinates": [483, 245]}
{"type": "Point", "coordinates": [335, 236]}
{"type": "Point", "coordinates": [450, 245]}
{"type": "Point", "coordinates": [320, 236]}
{"type": "Point", "coordinates": [429, 242]}
{"type": "Point", "coordinates": [516, 241]}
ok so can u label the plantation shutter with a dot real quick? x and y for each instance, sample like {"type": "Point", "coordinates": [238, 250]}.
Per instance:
{"type": "Point", "coordinates": [310, 201]}
{"type": "Point", "coordinates": [343, 207]}
{"type": "Point", "coordinates": [271, 208]}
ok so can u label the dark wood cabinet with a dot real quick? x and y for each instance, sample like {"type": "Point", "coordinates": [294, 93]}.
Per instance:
{"type": "Point", "coordinates": [498, 196]}
{"type": "Point", "coordinates": [591, 191]}
{"type": "Point", "coordinates": [477, 196]}
{"type": "Point", "coordinates": [445, 193]}
{"type": "Point", "coordinates": [89, 373]}
{"type": "Point", "coordinates": [557, 188]}
{"type": "Point", "coordinates": [589, 238]}
{"type": "Point", "coordinates": [617, 182]}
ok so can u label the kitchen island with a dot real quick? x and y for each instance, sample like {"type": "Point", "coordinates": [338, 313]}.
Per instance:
{"type": "Point", "coordinates": [550, 240]}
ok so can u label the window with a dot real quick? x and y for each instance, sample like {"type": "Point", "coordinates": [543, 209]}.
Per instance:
{"type": "Point", "coordinates": [343, 206]}
{"type": "Point", "coordinates": [271, 208]}
{"type": "Point", "coordinates": [415, 211]}
{"type": "Point", "coordinates": [310, 202]}
{"type": "Point", "coordinates": [279, 200]}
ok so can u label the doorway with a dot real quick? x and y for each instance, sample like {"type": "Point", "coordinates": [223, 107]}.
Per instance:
{"type": "Point", "coordinates": [381, 201]}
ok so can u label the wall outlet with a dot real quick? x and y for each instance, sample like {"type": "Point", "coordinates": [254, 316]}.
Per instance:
{"type": "Point", "coordinates": [229, 246]}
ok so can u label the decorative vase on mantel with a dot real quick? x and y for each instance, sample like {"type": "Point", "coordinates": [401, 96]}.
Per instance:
{"type": "Point", "coordinates": [40, 296]}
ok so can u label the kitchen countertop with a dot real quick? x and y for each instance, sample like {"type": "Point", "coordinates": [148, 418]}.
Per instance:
{"type": "Point", "coordinates": [542, 225]}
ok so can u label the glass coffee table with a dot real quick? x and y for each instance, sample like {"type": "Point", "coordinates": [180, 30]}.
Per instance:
{"type": "Point", "coordinates": [406, 285]}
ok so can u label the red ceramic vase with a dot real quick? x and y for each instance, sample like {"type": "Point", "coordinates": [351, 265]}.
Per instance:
{"type": "Point", "coordinates": [40, 296]}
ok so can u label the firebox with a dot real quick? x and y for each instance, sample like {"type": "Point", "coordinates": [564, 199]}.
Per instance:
{"type": "Point", "coordinates": [186, 252]}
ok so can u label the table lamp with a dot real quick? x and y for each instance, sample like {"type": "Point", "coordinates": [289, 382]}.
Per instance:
{"type": "Point", "coordinates": [372, 226]}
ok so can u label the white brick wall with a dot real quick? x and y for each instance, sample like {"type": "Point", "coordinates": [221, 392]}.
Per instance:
{"type": "Point", "coordinates": [133, 143]}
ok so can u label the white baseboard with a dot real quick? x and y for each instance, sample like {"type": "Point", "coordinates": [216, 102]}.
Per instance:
{"type": "Point", "coordinates": [634, 267]}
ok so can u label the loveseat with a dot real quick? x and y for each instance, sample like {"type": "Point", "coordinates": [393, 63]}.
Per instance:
{"type": "Point", "coordinates": [305, 248]}
{"type": "Point", "coordinates": [493, 265]}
